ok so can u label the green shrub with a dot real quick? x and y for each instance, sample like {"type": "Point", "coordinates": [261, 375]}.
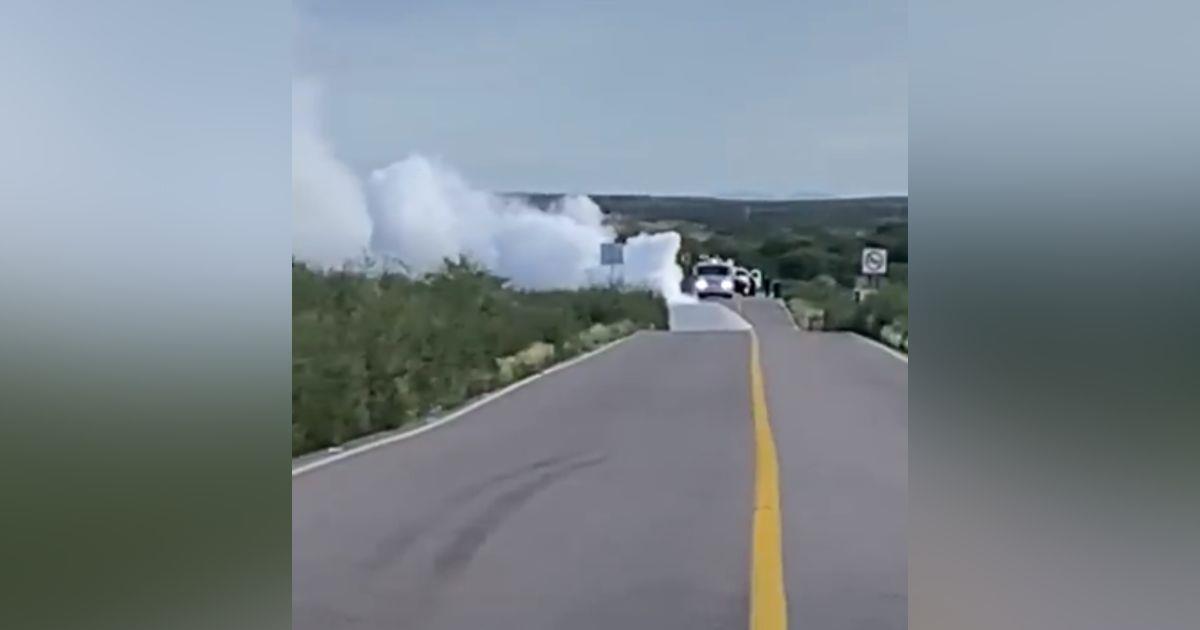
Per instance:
{"type": "Point", "coordinates": [885, 309]}
{"type": "Point", "coordinates": [373, 349]}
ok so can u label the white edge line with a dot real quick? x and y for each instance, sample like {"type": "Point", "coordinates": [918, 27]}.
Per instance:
{"type": "Point", "coordinates": [882, 346]}
{"type": "Point", "coordinates": [791, 317]}
{"type": "Point", "coordinates": [461, 411]}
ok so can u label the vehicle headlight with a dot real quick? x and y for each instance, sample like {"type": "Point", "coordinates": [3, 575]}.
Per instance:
{"type": "Point", "coordinates": [702, 284]}
{"type": "Point", "coordinates": [727, 284]}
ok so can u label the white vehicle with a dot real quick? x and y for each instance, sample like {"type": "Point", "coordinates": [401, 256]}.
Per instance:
{"type": "Point", "coordinates": [713, 278]}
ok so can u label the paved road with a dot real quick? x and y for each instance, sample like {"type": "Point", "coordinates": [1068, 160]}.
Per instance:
{"type": "Point", "coordinates": [617, 494]}
{"type": "Point", "coordinates": [839, 411]}
{"type": "Point", "coordinates": [705, 316]}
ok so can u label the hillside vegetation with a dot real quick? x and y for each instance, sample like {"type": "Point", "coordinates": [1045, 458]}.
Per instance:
{"type": "Point", "coordinates": [378, 350]}
{"type": "Point", "coordinates": [812, 247]}
{"type": "Point", "coordinates": [739, 213]}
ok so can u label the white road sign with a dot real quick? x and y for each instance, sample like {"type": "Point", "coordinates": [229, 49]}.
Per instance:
{"type": "Point", "coordinates": [874, 261]}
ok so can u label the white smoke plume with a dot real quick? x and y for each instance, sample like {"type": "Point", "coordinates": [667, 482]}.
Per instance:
{"type": "Point", "coordinates": [329, 213]}
{"type": "Point", "coordinates": [420, 212]}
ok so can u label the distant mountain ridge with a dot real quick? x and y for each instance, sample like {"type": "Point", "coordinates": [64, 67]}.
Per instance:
{"type": "Point", "coordinates": [721, 211]}
{"type": "Point", "coordinates": [799, 195]}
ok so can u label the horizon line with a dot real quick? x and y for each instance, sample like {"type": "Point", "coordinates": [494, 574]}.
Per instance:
{"type": "Point", "coordinates": [675, 195]}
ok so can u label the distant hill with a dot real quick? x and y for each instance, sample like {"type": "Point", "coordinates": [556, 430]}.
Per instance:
{"type": "Point", "coordinates": [749, 195]}
{"type": "Point", "coordinates": [719, 212]}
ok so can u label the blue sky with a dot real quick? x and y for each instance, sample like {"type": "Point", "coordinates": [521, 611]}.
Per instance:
{"type": "Point", "coordinates": [770, 98]}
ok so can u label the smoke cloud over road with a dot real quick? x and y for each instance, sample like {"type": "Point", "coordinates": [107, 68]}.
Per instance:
{"type": "Point", "coordinates": [420, 211]}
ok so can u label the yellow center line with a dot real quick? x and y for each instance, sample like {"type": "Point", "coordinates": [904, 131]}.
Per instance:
{"type": "Point", "coordinates": [768, 599]}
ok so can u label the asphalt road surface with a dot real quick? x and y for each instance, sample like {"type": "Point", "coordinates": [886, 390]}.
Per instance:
{"type": "Point", "coordinates": [705, 316]}
{"type": "Point", "coordinates": [617, 493]}
{"type": "Point", "coordinates": [839, 411]}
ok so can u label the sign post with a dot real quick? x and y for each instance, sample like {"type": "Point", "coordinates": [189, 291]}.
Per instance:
{"type": "Point", "coordinates": [874, 265]}
{"type": "Point", "coordinates": [611, 255]}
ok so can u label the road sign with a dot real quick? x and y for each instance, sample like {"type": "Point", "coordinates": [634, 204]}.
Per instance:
{"type": "Point", "coordinates": [612, 254]}
{"type": "Point", "coordinates": [874, 261]}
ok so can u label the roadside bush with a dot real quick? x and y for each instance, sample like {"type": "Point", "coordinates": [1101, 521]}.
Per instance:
{"type": "Point", "coordinates": [531, 359]}
{"type": "Point", "coordinates": [374, 349]}
{"type": "Point", "coordinates": [882, 315]}
{"type": "Point", "coordinates": [887, 305]}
